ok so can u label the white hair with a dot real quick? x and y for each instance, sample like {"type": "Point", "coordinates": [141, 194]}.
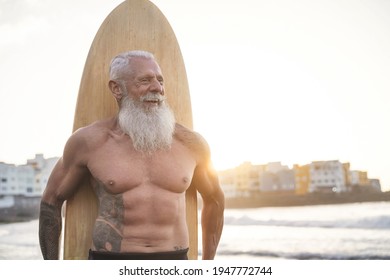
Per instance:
{"type": "Point", "coordinates": [121, 64]}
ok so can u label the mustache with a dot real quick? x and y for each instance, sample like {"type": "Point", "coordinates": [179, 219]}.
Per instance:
{"type": "Point", "coordinates": [153, 97]}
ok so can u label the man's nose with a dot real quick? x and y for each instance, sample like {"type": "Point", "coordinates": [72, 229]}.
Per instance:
{"type": "Point", "coordinates": [157, 86]}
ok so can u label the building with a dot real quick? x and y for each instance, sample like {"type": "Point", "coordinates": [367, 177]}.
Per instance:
{"type": "Point", "coordinates": [29, 179]}
{"type": "Point", "coordinates": [248, 178]}
{"type": "Point", "coordinates": [359, 182]}
{"type": "Point", "coordinates": [43, 168]}
{"type": "Point", "coordinates": [242, 180]}
{"type": "Point", "coordinates": [302, 178]}
{"type": "Point", "coordinates": [226, 178]}
{"type": "Point", "coordinates": [277, 177]}
{"type": "Point", "coordinates": [328, 176]}
{"type": "Point", "coordinates": [16, 180]}
{"type": "Point", "coordinates": [375, 185]}
{"type": "Point", "coordinates": [316, 177]}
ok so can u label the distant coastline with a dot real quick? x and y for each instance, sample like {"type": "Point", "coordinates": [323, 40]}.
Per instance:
{"type": "Point", "coordinates": [286, 199]}
{"type": "Point", "coordinates": [22, 208]}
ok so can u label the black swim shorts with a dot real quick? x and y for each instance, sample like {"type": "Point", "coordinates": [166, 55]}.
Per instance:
{"type": "Point", "coordinates": [172, 255]}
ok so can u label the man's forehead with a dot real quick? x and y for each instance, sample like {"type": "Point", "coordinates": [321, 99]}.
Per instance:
{"type": "Point", "coordinates": [143, 61]}
{"type": "Point", "coordinates": [141, 64]}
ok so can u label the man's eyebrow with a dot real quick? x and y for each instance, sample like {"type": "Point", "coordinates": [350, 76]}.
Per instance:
{"type": "Point", "coordinates": [151, 76]}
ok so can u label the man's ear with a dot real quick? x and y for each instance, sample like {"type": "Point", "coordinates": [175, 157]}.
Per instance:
{"type": "Point", "coordinates": [115, 89]}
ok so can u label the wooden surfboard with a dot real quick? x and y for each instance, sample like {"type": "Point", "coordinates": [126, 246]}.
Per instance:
{"type": "Point", "coordinates": [133, 25]}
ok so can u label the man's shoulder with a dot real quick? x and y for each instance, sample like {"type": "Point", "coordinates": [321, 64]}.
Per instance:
{"type": "Point", "coordinates": [185, 134]}
{"type": "Point", "coordinates": [93, 133]}
{"type": "Point", "coordinates": [192, 139]}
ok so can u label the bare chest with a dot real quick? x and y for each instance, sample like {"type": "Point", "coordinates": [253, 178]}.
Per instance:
{"type": "Point", "coordinates": [120, 168]}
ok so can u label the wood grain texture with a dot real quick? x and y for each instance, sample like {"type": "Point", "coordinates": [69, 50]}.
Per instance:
{"type": "Point", "coordinates": [133, 25]}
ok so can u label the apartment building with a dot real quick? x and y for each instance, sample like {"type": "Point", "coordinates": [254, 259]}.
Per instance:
{"type": "Point", "coordinates": [15, 180]}
{"type": "Point", "coordinates": [276, 177]}
{"type": "Point", "coordinates": [360, 182]}
{"type": "Point", "coordinates": [302, 178]}
{"type": "Point", "coordinates": [330, 176]}
{"type": "Point", "coordinates": [29, 179]}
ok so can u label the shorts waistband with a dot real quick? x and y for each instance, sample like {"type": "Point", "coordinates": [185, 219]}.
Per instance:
{"type": "Point", "coordinates": [170, 255]}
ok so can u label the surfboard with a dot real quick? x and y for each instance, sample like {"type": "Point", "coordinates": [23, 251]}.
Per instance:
{"type": "Point", "coordinates": [133, 25]}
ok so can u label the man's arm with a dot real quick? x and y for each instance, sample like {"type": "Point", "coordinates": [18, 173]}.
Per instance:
{"type": "Point", "coordinates": [64, 180]}
{"type": "Point", "coordinates": [212, 215]}
{"type": "Point", "coordinates": [50, 225]}
{"type": "Point", "coordinates": [206, 181]}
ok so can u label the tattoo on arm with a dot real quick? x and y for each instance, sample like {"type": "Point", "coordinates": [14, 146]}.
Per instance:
{"type": "Point", "coordinates": [50, 225]}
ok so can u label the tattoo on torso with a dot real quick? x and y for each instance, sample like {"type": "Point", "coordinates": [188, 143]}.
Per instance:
{"type": "Point", "coordinates": [107, 235]}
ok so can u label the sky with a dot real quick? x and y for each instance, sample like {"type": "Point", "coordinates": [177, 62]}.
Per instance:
{"type": "Point", "coordinates": [285, 81]}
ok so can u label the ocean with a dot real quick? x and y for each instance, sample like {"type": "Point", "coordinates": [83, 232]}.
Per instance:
{"type": "Point", "coordinates": [356, 231]}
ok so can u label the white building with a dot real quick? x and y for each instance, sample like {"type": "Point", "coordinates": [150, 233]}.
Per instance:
{"type": "Point", "coordinates": [8, 179]}
{"type": "Point", "coordinates": [275, 167]}
{"type": "Point", "coordinates": [29, 179]}
{"type": "Point", "coordinates": [43, 169]}
{"type": "Point", "coordinates": [16, 180]}
{"type": "Point", "coordinates": [328, 176]}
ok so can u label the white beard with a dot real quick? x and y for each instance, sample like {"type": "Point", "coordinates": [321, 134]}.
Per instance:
{"type": "Point", "coordinates": [150, 129]}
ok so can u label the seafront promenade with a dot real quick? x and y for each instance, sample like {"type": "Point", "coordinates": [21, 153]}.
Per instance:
{"type": "Point", "coordinates": [285, 199]}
